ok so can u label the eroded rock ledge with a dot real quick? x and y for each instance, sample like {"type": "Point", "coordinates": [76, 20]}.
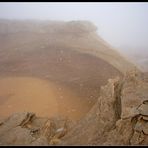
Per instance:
{"type": "Point", "coordinates": [120, 117]}
{"type": "Point", "coordinates": [27, 129]}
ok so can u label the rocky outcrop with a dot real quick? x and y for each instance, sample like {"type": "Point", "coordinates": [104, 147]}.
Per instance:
{"type": "Point", "coordinates": [120, 117]}
{"type": "Point", "coordinates": [27, 129]}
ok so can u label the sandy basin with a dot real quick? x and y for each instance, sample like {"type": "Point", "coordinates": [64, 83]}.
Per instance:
{"type": "Point", "coordinates": [40, 96]}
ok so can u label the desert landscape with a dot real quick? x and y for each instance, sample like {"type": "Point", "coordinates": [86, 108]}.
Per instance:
{"type": "Point", "coordinates": [62, 84]}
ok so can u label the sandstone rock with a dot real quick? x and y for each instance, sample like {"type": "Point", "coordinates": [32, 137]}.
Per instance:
{"type": "Point", "coordinates": [134, 93]}
{"type": "Point", "coordinates": [15, 120]}
{"type": "Point", "coordinates": [137, 138]}
{"type": "Point", "coordinates": [115, 119]}
{"type": "Point", "coordinates": [98, 121]}
{"type": "Point", "coordinates": [16, 136]}
{"type": "Point", "coordinates": [48, 130]}
{"type": "Point", "coordinates": [120, 117]}
{"type": "Point", "coordinates": [145, 128]}
{"type": "Point", "coordinates": [60, 132]}
{"type": "Point", "coordinates": [145, 118]}
{"type": "Point", "coordinates": [55, 141]}
{"type": "Point", "coordinates": [143, 109]}
{"type": "Point", "coordinates": [41, 141]}
{"type": "Point", "coordinates": [139, 126]}
{"type": "Point", "coordinates": [121, 134]}
{"type": "Point", "coordinates": [27, 129]}
{"type": "Point", "coordinates": [27, 119]}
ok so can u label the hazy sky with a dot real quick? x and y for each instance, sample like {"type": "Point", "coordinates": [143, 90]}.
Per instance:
{"type": "Point", "coordinates": [121, 24]}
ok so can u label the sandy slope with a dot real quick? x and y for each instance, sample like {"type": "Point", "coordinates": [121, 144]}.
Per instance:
{"type": "Point", "coordinates": [66, 54]}
{"type": "Point", "coordinates": [47, 99]}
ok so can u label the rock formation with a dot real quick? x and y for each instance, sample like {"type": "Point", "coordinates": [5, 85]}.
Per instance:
{"type": "Point", "coordinates": [119, 117]}
{"type": "Point", "coordinates": [71, 54]}
{"type": "Point", "coordinates": [27, 129]}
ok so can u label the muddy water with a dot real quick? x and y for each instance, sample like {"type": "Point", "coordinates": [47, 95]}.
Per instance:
{"type": "Point", "coordinates": [40, 96]}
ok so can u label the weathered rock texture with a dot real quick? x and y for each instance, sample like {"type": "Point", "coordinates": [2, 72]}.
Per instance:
{"type": "Point", "coordinates": [27, 129]}
{"type": "Point", "coordinates": [120, 117]}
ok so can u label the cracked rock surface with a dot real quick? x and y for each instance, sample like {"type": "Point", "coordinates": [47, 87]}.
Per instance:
{"type": "Point", "coordinates": [119, 117]}
{"type": "Point", "coordinates": [27, 129]}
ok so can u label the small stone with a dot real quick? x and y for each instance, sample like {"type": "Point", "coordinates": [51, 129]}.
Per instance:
{"type": "Point", "coordinates": [60, 129]}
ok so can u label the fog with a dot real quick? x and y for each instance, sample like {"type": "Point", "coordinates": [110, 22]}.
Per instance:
{"type": "Point", "coordinates": [122, 25]}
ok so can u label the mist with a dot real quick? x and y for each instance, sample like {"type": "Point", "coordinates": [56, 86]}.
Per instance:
{"type": "Point", "coordinates": [73, 74]}
{"type": "Point", "coordinates": [122, 25]}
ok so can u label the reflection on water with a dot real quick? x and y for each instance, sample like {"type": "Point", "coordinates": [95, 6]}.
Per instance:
{"type": "Point", "coordinates": [39, 96]}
